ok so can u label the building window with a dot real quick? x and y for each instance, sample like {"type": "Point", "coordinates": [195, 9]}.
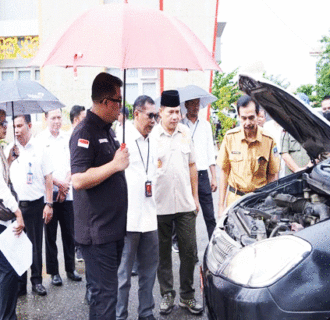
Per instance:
{"type": "Point", "coordinates": [20, 74]}
{"type": "Point", "coordinates": [139, 82]}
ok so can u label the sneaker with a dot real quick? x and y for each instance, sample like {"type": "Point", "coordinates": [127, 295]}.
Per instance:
{"type": "Point", "coordinates": [175, 247]}
{"type": "Point", "coordinates": [167, 303]}
{"type": "Point", "coordinates": [79, 256]}
{"type": "Point", "coordinates": [191, 305]}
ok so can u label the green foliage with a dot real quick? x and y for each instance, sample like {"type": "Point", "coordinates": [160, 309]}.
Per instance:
{"type": "Point", "coordinates": [309, 89]}
{"type": "Point", "coordinates": [227, 91]}
{"type": "Point", "coordinates": [130, 109]}
{"type": "Point", "coordinates": [284, 83]}
{"type": "Point", "coordinates": [3, 143]}
{"type": "Point", "coordinates": [322, 88]}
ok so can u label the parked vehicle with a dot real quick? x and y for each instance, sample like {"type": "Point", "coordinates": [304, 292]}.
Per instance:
{"type": "Point", "coordinates": [269, 256]}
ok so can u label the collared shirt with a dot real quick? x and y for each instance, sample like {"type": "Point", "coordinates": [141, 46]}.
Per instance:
{"type": "Point", "coordinates": [248, 163]}
{"type": "Point", "coordinates": [201, 134]}
{"type": "Point", "coordinates": [291, 146]}
{"type": "Point", "coordinates": [5, 193]}
{"type": "Point", "coordinates": [173, 186]}
{"type": "Point", "coordinates": [60, 154]}
{"type": "Point", "coordinates": [28, 171]}
{"type": "Point", "coordinates": [100, 212]}
{"type": "Point", "coordinates": [142, 212]}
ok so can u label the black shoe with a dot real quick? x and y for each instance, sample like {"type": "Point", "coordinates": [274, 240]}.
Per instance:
{"type": "Point", "coordinates": [79, 256]}
{"type": "Point", "coordinates": [74, 276]}
{"type": "Point", "coordinates": [88, 296]}
{"type": "Point", "coordinates": [39, 289]}
{"type": "Point", "coordinates": [175, 247]}
{"type": "Point", "coordinates": [56, 280]}
{"type": "Point", "coordinates": [150, 317]}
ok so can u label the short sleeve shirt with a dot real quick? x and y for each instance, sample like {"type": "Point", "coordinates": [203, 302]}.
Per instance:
{"type": "Point", "coordinates": [248, 163]}
{"type": "Point", "coordinates": [174, 153]}
{"type": "Point", "coordinates": [100, 212]}
{"type": "Point", "coordinates": [291, 146]}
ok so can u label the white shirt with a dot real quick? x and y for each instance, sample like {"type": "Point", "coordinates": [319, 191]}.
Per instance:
{"type": "Point", "coordinates": [60, 154]}
{"type": "Point", "coordinates": [28, 171]}
{"type": "Point", "coordinates": [119, 129]}
{"type": "Point", "coordinates": [173, 186]}
{"type": "Point", "coordinates": [201, 134]}
{"type": "Point", "coordinates": [5, 194]}
{"type": "Point", "coordinates": [142, 212]}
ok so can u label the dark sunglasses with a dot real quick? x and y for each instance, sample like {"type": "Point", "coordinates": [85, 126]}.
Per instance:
{"type": "Point", "coordinates": [113, 100]}
{"type": "Point", "coordinates": [4, 123]}
{"type": "Point", "coordinates": [152, 115]}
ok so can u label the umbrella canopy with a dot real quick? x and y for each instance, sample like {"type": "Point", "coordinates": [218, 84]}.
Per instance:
{"type": "Point", "coordinates": [26, 97]}
{"type": "Point", "coordinates": [194, 92]}
{"type": "Point", "coordinates": [126, 36]}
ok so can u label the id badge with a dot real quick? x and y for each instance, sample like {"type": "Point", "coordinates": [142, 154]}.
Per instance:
{"type": "Point", "coordinates": [148, 188]}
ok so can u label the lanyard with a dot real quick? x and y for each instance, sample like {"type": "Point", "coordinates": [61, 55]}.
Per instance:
{"type": "Point", "coordinates": [146, 168]}
{"type": "Point", "coordinates": [192, 137]}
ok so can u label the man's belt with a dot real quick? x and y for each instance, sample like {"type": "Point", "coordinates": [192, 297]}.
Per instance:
{"type": "Point", "coordinates": [25, 204]}
{"type": "Point", "coordinates": [240, 193]}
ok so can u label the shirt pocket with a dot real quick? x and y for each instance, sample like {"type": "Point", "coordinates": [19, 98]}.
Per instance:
{"type": "Point", "coordinates": [261, 165]}
{"type": "Point", "coordinates": [294, 146]}
{"type": "Point", "coordinates": [236, 163]}
{"type": "Point", "coordinates": [185, 153]}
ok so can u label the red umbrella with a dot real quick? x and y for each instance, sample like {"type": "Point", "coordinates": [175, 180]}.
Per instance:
{"type": "Point", "coordinates": [126, 36]}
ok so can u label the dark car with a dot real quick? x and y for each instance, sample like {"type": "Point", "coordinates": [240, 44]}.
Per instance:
{"type": "Point", "coordinates": [269, 256]}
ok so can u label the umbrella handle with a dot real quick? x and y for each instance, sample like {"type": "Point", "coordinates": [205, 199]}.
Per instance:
{"type": "Point", "coordinates": [122, 146]}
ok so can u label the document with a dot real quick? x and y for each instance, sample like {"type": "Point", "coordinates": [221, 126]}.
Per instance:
{"type": "Point", "coordinates": [17, 250]}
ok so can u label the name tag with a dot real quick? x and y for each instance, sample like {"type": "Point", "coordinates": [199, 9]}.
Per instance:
{"type": "Point", "coordinates": [103, 140]}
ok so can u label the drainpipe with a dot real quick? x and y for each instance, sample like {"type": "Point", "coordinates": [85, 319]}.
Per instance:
{"type": "Point", "coordinates": [161, 72]}
{"type": "Point", "coordinates": [213, 53]}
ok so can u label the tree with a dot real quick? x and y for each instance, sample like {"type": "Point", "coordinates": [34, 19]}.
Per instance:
{"type": "Point", "coordinates": [227, 92]}
{"type": "Point", "coordinates": [284, 83]}
{"type": "Point", "coordinates": [317, 92]}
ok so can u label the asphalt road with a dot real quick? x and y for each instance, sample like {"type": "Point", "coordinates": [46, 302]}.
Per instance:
{"type": "Point", "coordinates": [67, 302]}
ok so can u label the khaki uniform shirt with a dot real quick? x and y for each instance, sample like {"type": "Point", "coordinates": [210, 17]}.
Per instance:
{"type": "Point", "coordinates": [291, 146]}
{"type": "Point", "coordinates": [247, 163]}
{"type": "Point", "coordinates": [175, 152]}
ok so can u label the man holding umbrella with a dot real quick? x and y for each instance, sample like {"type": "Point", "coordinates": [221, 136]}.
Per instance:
{"type": "Point", "coordinates": [201, 134]}
{"type": "Point", "coordinates": [100, 194]}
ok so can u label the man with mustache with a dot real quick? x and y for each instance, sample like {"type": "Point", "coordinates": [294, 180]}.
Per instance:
{"type": "Point", "coordinates": [248, 157]}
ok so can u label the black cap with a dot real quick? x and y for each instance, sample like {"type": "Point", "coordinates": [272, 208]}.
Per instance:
{"type": "Point", "coordinates": [170, 98]}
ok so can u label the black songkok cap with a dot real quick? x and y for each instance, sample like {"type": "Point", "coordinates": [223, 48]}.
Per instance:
{"type": "Point", "coordinates": [170, 98]}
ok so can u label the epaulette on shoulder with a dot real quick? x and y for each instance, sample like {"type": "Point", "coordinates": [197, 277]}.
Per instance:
{"type": "Point", "coordinates": [266, 133]}
{"type": "Point", "coordinates": [234, 130]}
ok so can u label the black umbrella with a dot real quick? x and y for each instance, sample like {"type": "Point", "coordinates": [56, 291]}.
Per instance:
{"type": "Point", "coordinates": [25, 97]}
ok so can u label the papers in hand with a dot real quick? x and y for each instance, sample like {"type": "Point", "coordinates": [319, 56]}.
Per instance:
{"type": "Point", "coordinates": [17, 250]}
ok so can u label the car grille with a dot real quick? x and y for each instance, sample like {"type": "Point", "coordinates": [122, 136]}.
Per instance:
{"type": "Point", "coordinates": [221, 247]}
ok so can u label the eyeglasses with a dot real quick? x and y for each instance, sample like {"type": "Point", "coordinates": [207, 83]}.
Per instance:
{"type": "Point", "coordinates": [120, 101]}
{"type": "Point", "coordinates": [152, 115]}
{"type": "Point", "coordinates": [4, 123]}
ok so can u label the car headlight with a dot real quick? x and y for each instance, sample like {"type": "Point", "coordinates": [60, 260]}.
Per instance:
{"type": "Point", "coordinates": [266, 261]}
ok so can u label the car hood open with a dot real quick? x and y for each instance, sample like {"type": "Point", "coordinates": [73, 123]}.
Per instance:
{"type": "Point", "coordinates": [306, 125]}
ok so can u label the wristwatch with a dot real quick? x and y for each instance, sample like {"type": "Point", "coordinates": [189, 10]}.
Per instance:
{"type": "Point", "coordinates": [49, 204]}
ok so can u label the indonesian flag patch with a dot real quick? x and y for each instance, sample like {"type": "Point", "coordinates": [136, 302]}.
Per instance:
{"type": "Point", "coordinates": [83, 143]}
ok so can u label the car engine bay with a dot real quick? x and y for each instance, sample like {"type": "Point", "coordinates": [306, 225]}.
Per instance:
{"type": "Point", "coordinates": [283, 207]}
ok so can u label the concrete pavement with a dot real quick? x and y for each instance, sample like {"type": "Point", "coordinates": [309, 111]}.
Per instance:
{"type": "Point", "coordinates": [67, 302]}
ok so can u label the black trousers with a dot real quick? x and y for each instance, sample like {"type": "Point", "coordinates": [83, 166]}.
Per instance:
{"type": "Point", "coordinates": [8, 288]}
{"type": "Point", "coordinates": [185, 225]}
{"type": "Point", "coordinates": [32, 212]}
{"type": "Point", "coordinates": [206, 201]}
{"type": "Point", "coordinates": [62, 214]}
{"type": "Point", "coordinates": [102, 263]}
